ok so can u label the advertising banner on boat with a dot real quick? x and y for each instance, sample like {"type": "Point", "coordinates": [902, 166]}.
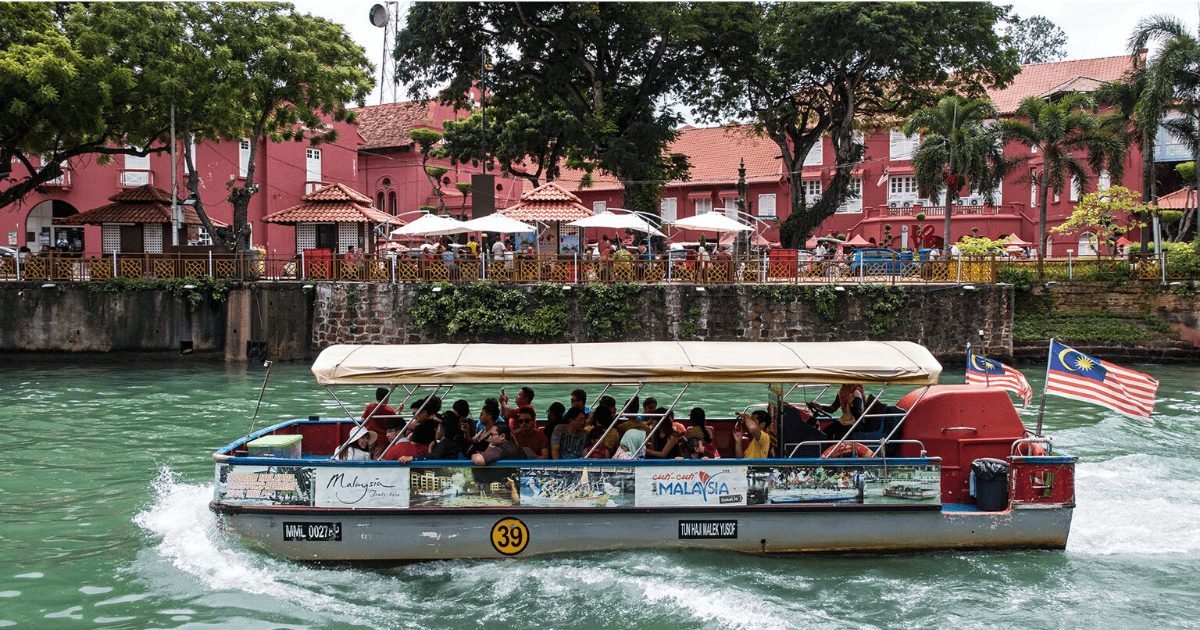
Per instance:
{"type": "Point", "coordinates": [704, 486]}
{"type": "Point", "coordinates": [463, 487]}
{"type": "Point", "coordinates": [264, 485]}
{"type": "Point", "coordinates": [804, 484]}
{"type": "Point", "coordinates": [359, 488]}
{"type": "Point", "coordinates": [902, 484]}
{"type": "Point", "coordinates": [593, 486]}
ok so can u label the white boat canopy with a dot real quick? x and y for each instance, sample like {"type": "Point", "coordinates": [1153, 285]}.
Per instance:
{"type": "Point", "coordinates": [894, 362]}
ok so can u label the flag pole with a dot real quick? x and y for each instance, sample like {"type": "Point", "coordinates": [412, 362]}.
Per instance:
{"type": "Point", "coordinates": [1042, 404]}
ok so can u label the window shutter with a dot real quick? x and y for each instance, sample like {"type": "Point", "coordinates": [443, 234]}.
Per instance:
{"type": "Point", "coordinates": [599, 207]}
{"type": "Point", "coordinates": [766, 205]}
{"type": "Point", "coordinates": [243, 157]}
{"type": "Point", "coordinates": [895, 139]}
{"type": "Point", "coordinates": [667, 209]}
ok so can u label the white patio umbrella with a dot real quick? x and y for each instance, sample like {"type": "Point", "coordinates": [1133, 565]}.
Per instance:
{"type": "Point", "coordinates": [617, 221]}
{"type": "Point", "coordinates": [429, 225]}
{"type": "Point", "coordinates": [497, 223]}
{"type": "Point", "coordinates": [711, 222]}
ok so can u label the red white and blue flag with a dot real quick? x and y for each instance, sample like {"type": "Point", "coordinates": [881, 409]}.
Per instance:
{"type": "Point", "coordinates": [1075, 375]}
{"type": "Point", "coordinates": [991, 373]}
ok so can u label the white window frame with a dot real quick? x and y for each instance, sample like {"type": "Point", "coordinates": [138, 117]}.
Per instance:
{"type": "Point", "coordinates": [702, 205]}
{"type": "Point", "coordinates": [765, 201]}
{"type": "Point", "coordinates": [812, 190]}
{"type": "Point", "coordinates": [599, 207]}
{"type": "Point", "coordinates": [816, 155]}
{"type": "Point", "coordinates": [1073, 194]}
{"type": "Point", "coordinates": [312, 158]}
{"type": "Point", "coordinates": [243, 157]}
{"type": "Point", "coordinates": [1033, 189]}
{"type": "Point", "coordinates": [731, 208]}
{"type": "Point", "coordinates": [853, 206]}
{"type": "Point", "coordinates": [902, 188]}
{"type": "Point", "coordinates": [902, 147]}
{"type": "Point", "coordinates": [668, 209]}
{"type": "Point", "coordinates": [1103, 181]}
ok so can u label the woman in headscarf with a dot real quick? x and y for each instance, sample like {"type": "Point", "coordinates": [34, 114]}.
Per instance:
{"type": "Point", "coordinates": [631, 445]}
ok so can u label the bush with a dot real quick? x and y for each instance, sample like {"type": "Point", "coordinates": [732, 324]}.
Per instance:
{"type": "Point", "coordinates": [1114, 272]}
{"type": "Point", "coordinates": [1183, 259]}
{"type": "Point", "coordinates": [1072, 327]}
{"type": "Point", "coordinates": [1021, 279]}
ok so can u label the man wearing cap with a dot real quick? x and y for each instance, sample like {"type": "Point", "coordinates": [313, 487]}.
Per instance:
{"type": "Point", "coordinates": [500, 446]}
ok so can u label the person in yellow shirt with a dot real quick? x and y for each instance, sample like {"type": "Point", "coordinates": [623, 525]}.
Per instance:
{"type": "Point", "coordinates": [752, 426]}
{"type": "Point", "coordinates": [473, 245]}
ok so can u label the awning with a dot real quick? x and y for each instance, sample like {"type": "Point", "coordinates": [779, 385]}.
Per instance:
{"type": "Point", "coordinates": [336, 203]}
{"type": "Point", "coordinates": [895, 362]}
{"type": "Point", "coordinates": [144, 204]}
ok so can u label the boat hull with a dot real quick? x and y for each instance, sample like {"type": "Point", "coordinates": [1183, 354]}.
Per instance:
{"type": "Point", "coordinates": [435, 534]}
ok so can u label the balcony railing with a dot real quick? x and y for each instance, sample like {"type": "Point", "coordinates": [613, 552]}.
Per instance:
{"type": "Point", "coordinates": [314, 186]}
{"type": "Point", "coordinates": [134, 177]}
{"type": "Point", "coordinates": [62, 181]}
{"type": "Point", "coordinates": [901, 210]}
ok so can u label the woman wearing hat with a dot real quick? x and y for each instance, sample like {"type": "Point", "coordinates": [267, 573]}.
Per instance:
{"type": "Point", "coordinates": [359, 449]}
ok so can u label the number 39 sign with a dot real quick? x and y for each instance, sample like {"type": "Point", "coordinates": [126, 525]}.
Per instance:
{"type": "Point", "coordinates": [510, 536]}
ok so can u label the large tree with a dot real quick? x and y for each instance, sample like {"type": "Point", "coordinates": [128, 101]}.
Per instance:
{"type": "Point", "coordinates": [1124, 116]}
{"type": "Point", "coordinates": [1172, 84]}
{"type": "Point", "coordinates": [611, 66]}
{"type": "Point", "coordinates": [1037, 39]}
{"type": "Point", "coordinates": [68, 87]}
{"type": "Point", "coordinates": [1069, 140]}
{"type": "Point", "coordinates": [526, 140]}
{"type": "Point", "coordinates": [800, 71]}
{"type": "Point", "coordinates": [958, 147]}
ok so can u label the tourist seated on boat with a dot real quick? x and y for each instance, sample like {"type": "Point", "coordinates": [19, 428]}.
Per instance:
{"type": "Point", "coordinates": [752, 427]}
{"type": "Point", "coordinates": [529, 437]}
{"type": "Point", "coordinates": [579, 401]}
{"type": "Point", "coordinates": [462, 409]}
{"type": "Point", "coordinates": [524, 399]}
{"type": "Point", "coordinates": [359, 449]}
{"type": "Point", "coordinates": [500, 446]}
{"type": "Point", "coordinates": [450, 442]}
{"type": "Point", "coordinates": [850, 402]}
{"type": "Point", "coordinates": [698, 419]}
{"type": "Point", "coordinates": [664, 441]}
{"type": "Point", "coordinates": [398, 444]}
{"type": "Point", "coordinates": [630, 446]}
{"type": "Point", "coordinates": [607, 402]}
{"type": "Point", "coordinates": [693, 444]}
{"type": "Point", "coordinates": [796, 426]}
{"type": "Point", "coordinates": [488, 416]}
{"type": "Point", "coordinates": [569, 438]}
{"type": "Point", "coordinates": [554, 417]}
{"type": "Point", "coordinates": [649, 406]}
{"type": "Point", "coordinates": [376, 414]}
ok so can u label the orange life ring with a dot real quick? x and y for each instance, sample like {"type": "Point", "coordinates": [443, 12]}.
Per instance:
{"type": "Point", "coordinates": [848, 449]}
{"type": "Point", "coordinates": [1031, 449]}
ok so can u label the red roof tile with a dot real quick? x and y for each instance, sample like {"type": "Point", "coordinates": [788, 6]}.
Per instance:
{"type": "Point", "coordinates": [144, 204]}
{"type": "Point", "coordinates": [335, 203]}
{"type": "Point", "coordinates": [1042, 79]}
{"type": "Point", "coordinates": [388, 125]}
{"type": "Point", "coordinates": [548, 202]}
{"type": "Point", "coordinates": [1181, 199]}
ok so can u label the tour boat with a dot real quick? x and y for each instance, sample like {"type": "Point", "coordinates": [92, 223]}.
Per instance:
{"type": "Point", "coordinates": [280, 490]}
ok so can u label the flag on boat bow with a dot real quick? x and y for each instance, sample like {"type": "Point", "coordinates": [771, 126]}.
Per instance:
{"type": "Point", "coordinates": [1078, 376]}
{"type": "Point", "coordinates": [991, 373]}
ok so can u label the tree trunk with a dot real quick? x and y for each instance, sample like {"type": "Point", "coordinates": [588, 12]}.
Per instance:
{"type": "Point", "coordinates": [1147, 180]}
{"type": "Point", "coordinates": [950, 195]}
{"type": "Point", "coordinates": [192, 183]}
{"type": "Point", "coordinates": [1043, 195]}
{"type": "Point", "coordinates": [1196, 187]}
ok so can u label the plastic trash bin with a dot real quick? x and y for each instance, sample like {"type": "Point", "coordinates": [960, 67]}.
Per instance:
{"type": "Point", "coordinates": [989, 482]}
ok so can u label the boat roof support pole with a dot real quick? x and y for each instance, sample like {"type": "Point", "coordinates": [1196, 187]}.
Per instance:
{"type": "Point", "coordinates": [436, 392]}
{"type": "Point", "coordinates": [614, 420]}
{"type": "Point", "coordinates": [661, 419]}
{"type": "Point", "coordinates": [360, 423]}
{"type": "Point", "coordinates": [883, 444]}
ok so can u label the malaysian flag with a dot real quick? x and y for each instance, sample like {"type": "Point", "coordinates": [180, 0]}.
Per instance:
{"type": "Point", "coordinates": [991, 373]}
{"type": "Point", "coordinates": [1075, 375]}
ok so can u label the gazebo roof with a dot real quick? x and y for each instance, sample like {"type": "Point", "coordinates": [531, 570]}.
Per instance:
{"type": "Point", "coordinates": [144, 204]}
{"type": "Point", "coordinates": [335, 203]}
{"type": "Point", "coordinates": [1181, 199]}
{"type": "Point", "coordinates": [549, 202]}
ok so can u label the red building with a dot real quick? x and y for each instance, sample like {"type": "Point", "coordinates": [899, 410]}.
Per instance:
{"type": "Point", "coordinates": [378, 158]}
{"type": "Point", "coordinates": [885, 179]}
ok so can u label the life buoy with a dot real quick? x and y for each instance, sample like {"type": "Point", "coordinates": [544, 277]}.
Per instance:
{"type": "Point", "coordinates": [848, 449]}
{"type": "Point", "coordinates": [1031, 449]}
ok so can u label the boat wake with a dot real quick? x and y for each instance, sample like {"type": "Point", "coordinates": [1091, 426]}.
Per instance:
{"type": "Point", "coordinates": [1135, 504]}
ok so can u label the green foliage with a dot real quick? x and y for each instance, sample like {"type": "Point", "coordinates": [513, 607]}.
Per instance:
{"type": "Point", "coordinates": [1107, 214]}
{"type": "Point", "coordinates": [527, 139]}
{"type": "Point", "coordinates": [688, 329]}
{"type": "Point", "coordinates": [1037, 39]}
{"type": "Point", "coordinates": [1077, 327]}
{"type": "Point", "coordinates": [608, 310]}
{"type": "Point", "coordinates": [1186, 171]}
{"type": "Point", "coordinates": [824, 301]}
{"type": "Point", "coordinates": [783, 293]}
{"type": "Point", "coordinates": [1022, 280]}
{"type": "Point", "coordinates": [980, 246]}
{"type": "Point", "coordinates": [215, 289]}
{"type": "Point", "coordinates": [1183, 290]}
{"type": "Point", "coordinates": [484, 310]}
{"type": "Point", "coordinates": [1118, 271]}
{"type": "Point", "coordinates": [882, 314]}
{"type": "Point", "coordinates": [1183, 259]}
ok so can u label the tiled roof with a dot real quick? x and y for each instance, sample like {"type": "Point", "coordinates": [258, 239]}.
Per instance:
{"type": "Point", "coordinates": [388, 125]}
{"type": "Point", "coordinates": [714, 153]}
{"type": "Point", "coordinates": [1181, 199]}
{"type": "Point", "coordinates": [144, 204]}
{"type": "Point", "coordinates": [1041, 79]}
{"type": "Point", "coordinates": [335, 203]}
{"type": "Point", "coordinates": [549, 202]}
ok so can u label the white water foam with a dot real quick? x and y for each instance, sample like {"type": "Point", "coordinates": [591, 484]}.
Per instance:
{"type": "Point", "coordinates": [189, 539]}
{"type": "Point", "coordinates": [1135, 504]}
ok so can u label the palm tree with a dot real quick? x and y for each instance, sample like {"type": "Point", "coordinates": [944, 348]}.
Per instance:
{"type": "Point", "coordinates": [1172, 81]}
{"type": "Point", "coordinates": [1060, 132]}
{"type": "Point", "coordinates": [957, 147]}
{"type": "Point", "coordinates": [1126, 119]}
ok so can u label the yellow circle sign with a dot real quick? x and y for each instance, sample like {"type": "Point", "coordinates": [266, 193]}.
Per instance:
{"type": "Point", "coordinates": [510, 536]}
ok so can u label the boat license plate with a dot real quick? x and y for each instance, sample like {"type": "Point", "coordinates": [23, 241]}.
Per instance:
{"type": "Point", "coordinates": [312, 532]}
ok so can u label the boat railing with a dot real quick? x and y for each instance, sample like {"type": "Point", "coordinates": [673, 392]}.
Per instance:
{"type": "Point", "coordinates": [879, 443]}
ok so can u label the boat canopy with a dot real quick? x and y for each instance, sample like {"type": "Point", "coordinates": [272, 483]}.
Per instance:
{"type": "Point", "coordinates": [894, 362]}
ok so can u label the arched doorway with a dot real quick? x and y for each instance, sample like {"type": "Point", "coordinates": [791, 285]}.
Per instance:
{"type": "Point", "coordinates": [1087, 244]}
{"type": "Point", "coordinates": [41, 233]}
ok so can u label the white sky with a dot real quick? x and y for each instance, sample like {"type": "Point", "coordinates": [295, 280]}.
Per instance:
{"type": "Point", "coordinates": [1096, 28]}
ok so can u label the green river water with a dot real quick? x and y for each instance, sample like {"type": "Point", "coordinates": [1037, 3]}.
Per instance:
{"type": "Point", "coordinates": [105, 477]}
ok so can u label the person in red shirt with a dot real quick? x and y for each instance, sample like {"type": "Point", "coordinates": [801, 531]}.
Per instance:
{"type": "Point", "coordinates": [399, 447]}
{"type": "Point", "coordinates": [376, 414]}
{"type": "Point", "coordinates": [527, 435]}
{"type": "Point", "coordinates": [524, 399]}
